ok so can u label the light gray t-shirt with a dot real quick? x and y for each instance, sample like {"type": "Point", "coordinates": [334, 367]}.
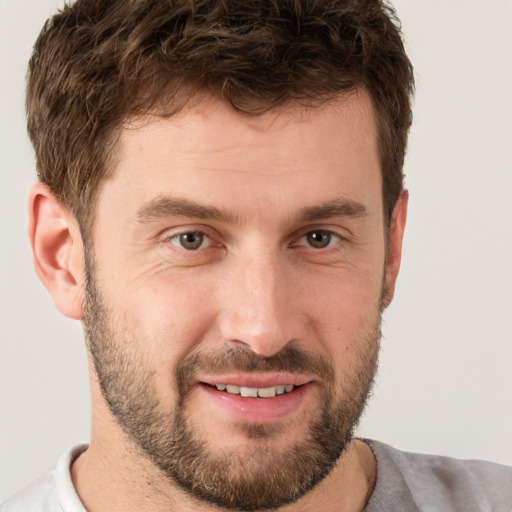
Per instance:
{"type": "Point", "coordinates": [406, 482]}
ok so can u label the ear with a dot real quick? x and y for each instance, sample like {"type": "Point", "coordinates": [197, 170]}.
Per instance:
{"type": "Point", "coordinates": [58, 250]}
{"type": "Point", "coordinates": [394, 253]}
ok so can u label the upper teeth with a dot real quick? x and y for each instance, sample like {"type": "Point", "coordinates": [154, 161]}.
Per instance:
{"type": "Point", "coordinates": [255, 392]}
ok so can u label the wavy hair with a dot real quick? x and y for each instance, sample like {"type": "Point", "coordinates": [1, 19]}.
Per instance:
{"type": "Point", "coordinates": [98, 63]}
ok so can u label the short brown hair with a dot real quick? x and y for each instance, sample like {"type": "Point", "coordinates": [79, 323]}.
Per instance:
{"type": "Point", "coordinates": [98, 63]}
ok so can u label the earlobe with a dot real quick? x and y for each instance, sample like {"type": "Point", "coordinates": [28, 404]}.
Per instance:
{"type": "Point", "coordinates": [394, 253]}
{"type": "Point", "coordinates": [57, 250]}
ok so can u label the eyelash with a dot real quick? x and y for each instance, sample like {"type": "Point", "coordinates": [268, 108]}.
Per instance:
{"type": "Point", "coordinates": [177, 238]}
{"type": "Point", "coordinates": [332, 236]}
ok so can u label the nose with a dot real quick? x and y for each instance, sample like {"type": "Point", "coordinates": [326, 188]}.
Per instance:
{"type": "Point", "coordinates": [260, 306]}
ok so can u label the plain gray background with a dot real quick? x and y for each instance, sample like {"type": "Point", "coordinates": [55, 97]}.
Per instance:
{"type": "Point", "coordinates": [445, 383]}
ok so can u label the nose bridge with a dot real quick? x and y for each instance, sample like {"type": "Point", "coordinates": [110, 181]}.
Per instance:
{"type": "Point", "coordinates": [258, 305]}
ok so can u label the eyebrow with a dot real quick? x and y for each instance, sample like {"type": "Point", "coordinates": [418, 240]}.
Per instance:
{"type": "Point", "coordinates": [162, 207]}
{"type": "Point", "coordinates": [336, 208]}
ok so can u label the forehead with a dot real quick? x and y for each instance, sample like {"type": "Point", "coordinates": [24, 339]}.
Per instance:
{"type": "Point", "coordinates": [208, 151]}
{"type": "Point", "coordinates": [209, 124]}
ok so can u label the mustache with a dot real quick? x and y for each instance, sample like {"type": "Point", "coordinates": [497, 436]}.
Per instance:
{"type": "Point", "coordinates": [236, 359]}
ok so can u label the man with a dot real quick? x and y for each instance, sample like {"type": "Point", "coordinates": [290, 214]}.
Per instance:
{"type": "Point", "coordinates": [221, 204]}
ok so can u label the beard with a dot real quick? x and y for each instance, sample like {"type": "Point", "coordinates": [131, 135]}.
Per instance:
{"type": "Point", "coordinates": [257, 477]}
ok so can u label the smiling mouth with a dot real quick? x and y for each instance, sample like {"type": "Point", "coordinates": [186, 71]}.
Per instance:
{"type": "Point", "coordinates": [246, 392]}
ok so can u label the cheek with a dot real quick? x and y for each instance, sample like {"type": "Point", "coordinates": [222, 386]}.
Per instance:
{"type": "Point", "coordinates": [168, 318]}
{"type": "Point", "coordinates": [164, 321]}
{"type": "Point", "coordinates": [346, 314]}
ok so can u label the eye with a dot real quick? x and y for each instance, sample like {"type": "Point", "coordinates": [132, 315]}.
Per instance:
{"type": "Point", "coordinates": [191, 241]}
{"type": "Point", "coordinates": [319, 239]}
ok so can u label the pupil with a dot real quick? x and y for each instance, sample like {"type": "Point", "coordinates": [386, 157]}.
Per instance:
{"type": "Point", "coordinates": [319, 239]}
{"type": "Point", "coordinates": [191, 240]}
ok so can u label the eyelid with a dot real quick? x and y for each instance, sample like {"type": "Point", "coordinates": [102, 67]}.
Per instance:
{"type": "Point", "coordinates": [170, 234]}
{"type": "Point", "coordinates": [335, 239]}
{"type": "Point", "coordinates": [214, 237]}
{"type": "Point", "coordinates": [335, 232]}
{"type": "Point", "coordinates": [175, 240]}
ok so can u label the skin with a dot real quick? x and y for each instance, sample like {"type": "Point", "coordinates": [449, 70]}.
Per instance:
{"type": "Point", "coordinates": [257, 281]}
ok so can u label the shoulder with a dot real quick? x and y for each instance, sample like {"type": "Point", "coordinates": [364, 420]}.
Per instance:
{"type": "Point", "coordinates": [40, 496]}
{"type": "Point", "coordinates": [53, 492]}
{"type": "Point", "coordinates": [441, 483]}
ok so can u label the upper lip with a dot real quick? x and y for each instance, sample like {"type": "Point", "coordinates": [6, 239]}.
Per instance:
{"type": "Point", "coordinates": [256, 380]}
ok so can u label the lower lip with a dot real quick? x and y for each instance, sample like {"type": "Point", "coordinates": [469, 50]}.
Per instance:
{"type": "Point", "coordinates": [258, 410]}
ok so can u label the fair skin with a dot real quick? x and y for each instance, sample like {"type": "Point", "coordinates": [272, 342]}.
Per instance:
{"type": "Point", "coordinates": [254, 282]}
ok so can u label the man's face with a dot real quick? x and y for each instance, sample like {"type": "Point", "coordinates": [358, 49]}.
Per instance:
{"type": "Point", "coordinates": [240, 256]}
